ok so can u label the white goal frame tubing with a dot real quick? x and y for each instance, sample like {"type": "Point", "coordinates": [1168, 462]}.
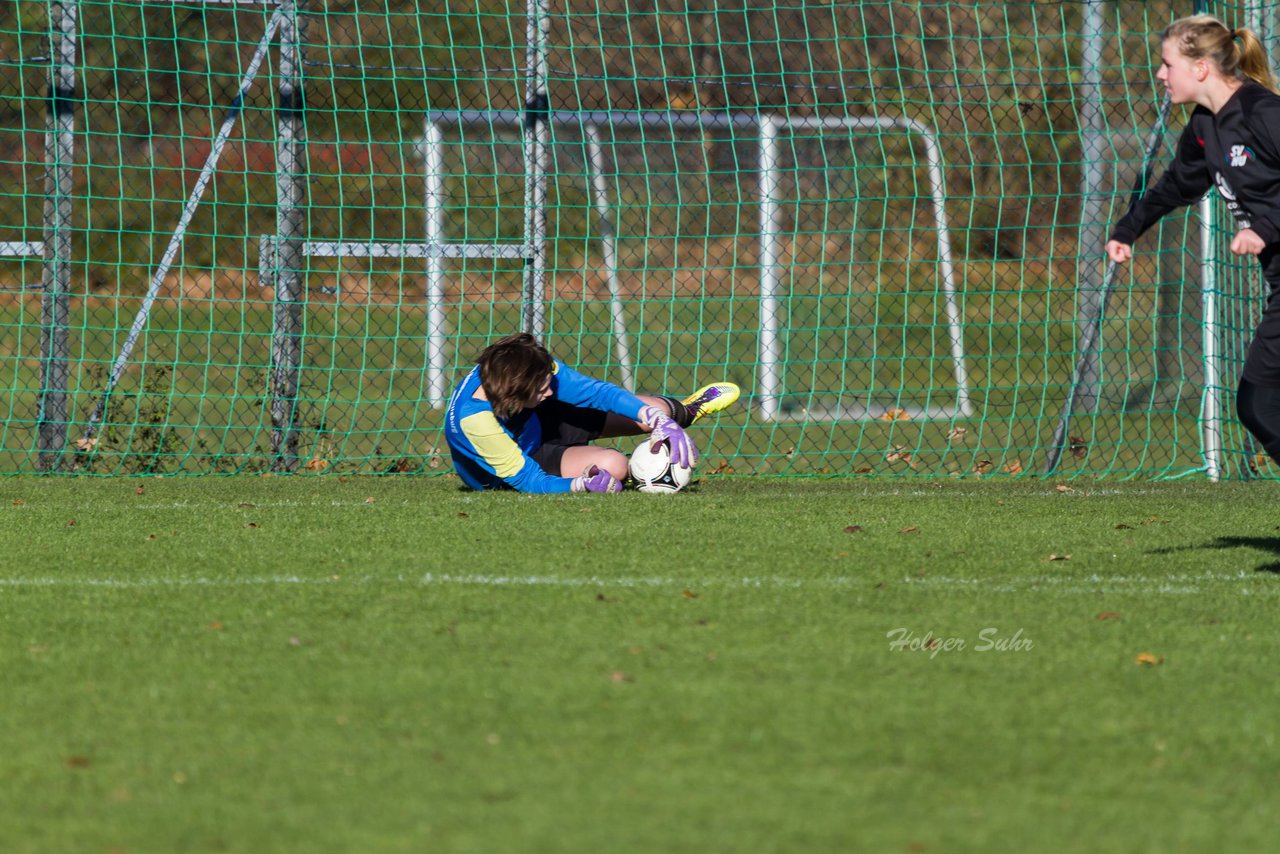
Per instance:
{"type": "Point", "coordinates": [1211, 400]}
{"type": "Point", "coordinates": [767, 129]}
{"type": "Point", "coordinates": [769, 389]}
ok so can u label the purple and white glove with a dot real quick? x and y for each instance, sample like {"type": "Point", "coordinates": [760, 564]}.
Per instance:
{"type": "Point", "coordinates": [596, 479]}
{"type": "Point", "coordinates": [665, 429]}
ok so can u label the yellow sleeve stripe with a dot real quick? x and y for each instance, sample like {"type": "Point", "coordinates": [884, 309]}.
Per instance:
{"type": "Point", "coordinates": [493, 443]}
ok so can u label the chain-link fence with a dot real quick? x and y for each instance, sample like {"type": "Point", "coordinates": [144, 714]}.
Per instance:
{"type": "Point", "coordinates": [239, 236]}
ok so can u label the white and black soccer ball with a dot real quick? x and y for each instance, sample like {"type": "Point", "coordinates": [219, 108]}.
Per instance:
{"type": "Point", "coordinates": [653, 471]}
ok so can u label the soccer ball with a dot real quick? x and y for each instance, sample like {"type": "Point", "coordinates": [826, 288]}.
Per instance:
{"type": "Point", "coordinates": [653, 471]}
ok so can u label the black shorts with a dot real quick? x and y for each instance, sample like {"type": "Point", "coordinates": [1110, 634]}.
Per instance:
{"type": "Point", "coordinates": [1262, 362]}
{"type": "Point", "coordinates": [565, 426]}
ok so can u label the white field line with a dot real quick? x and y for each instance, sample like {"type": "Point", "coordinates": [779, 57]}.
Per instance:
{"type": "Point", "coordinates": [1051, 580]}
{"type": "Point", "coordinates": [427, 580]}
{"type": "Point", "coordinates": [1173, 585]}
{"type": "Point", "coordinates": [1178, 584]}
{"type": "Point", "coordinates": [952, 491]}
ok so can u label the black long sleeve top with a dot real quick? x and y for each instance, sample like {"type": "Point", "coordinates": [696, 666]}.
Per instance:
{"type": "Point", "coordinates": [1238, 150]}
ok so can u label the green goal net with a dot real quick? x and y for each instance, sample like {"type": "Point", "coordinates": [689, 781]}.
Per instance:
{"type": "Point", "coordinates": [244, 236]}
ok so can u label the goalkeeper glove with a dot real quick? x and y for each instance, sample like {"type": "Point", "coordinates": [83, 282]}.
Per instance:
{"type": "Point", "coordinates": [665, 429]}
{"type": "Point", "coordinates": [596, 479]}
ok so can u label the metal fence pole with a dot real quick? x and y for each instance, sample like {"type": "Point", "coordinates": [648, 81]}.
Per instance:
{"type": "Point", "coordinates": [1091, 235]}
{"type": "Point", "coordinates": [1211, 402]}
{"type": "Point", "coordinates": [537, 136]}
{"type": "Point", "coordinates": [59, 162]}
{"type": "Point", "coordinates": [437, 328]}
{"type": "Point", "coordinates": [286, 332]}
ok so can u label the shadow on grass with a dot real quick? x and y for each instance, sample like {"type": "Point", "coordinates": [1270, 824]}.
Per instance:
{"type": "Point", "coordinates": [1270, 545]}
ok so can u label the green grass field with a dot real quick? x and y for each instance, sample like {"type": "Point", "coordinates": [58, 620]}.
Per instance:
{"type": "Point", "coordinates": [392, 664]}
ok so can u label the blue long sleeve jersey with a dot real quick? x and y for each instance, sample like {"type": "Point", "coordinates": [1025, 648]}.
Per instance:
{"type": "Point", "coordinates": [493, 453]}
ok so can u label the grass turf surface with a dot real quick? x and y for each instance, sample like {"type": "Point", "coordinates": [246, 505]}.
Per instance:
{"type": "Point", "coordinates": [359, 664]}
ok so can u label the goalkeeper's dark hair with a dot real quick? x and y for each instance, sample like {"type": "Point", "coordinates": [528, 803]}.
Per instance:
{"type": "Point", "coordinates": [1236, 53]}
{"type": "Point", "coordinates": [513, 371]}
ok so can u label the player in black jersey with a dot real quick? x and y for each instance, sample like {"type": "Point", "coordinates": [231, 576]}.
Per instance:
{"type": "Point", "coordinates": [1232, 141]}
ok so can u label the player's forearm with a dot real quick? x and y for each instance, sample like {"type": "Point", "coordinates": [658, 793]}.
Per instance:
{"type": "Point", "coordinates": [532, 479]}
{"type": "Point", "coordinates": [580, 390]}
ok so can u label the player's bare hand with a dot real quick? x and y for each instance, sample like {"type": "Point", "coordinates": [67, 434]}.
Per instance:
{"type": "Point", "coordinates": [1119, 252]}
{"type": "Point", "coordinates": [1247, 242]}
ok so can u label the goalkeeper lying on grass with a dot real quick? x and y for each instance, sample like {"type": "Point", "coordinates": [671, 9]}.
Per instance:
{"type": "Point", "coordinates": [523, 420]}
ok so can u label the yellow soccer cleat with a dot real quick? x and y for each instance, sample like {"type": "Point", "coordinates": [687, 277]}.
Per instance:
{"type": "Point", "coordinates": [709, 399]}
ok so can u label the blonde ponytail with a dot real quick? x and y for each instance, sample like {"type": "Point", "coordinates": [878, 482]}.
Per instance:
{"type": "Point", "coordinates": [1253, 58]}
{"type": "Point", "coordinates": [1205, 37]}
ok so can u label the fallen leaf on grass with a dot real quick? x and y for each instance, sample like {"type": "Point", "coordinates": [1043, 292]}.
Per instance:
{"type": "Point", "coordinates": [1062, 487]}
{"type": "Point", "coordinates": [402, 465]}
{"type": "Point", "coordinates": [1148, 658]}
{"type": "Point", "coordinates": [852, 529]}
{"type": "Point", "coordinates": [138, 491]}
{"type": "Point", "coordinates": [983, 466]}
{"type": "Point", "coordinates": [910, 530]}
{"type": "Point", "coordinates": [462, 514]}
{"type": "Point", "coordinates": [316, 464]}
{"type": "Point", "coordinates": [1123, 527]}
{"type": "Point", "coordinates": [1109, 615]}
{"type": "Point", "coordinates": [957, 434]}
{"type": "Point", "coordinates": [1014, 467]}
{"type": "Point", "coordinates": [1059, 557]}
{"type": "Point", "coordinates": [215, 627]}
{"type": "Point", "coordinates": [369, 499]}
{"type": "Point", "coordinates": [900, 454]}
{"type": "Point", "coordinates": [251, 525]}
{"type": "Point", "coordinates": [619, 676]}
{"type": "Point", "coordinates": [18, 502]}
{"type": "Point", "coordinates": [71, 523]}
{"type": "Point", "coordinates": [1079, 447]}
{"type": "Point", "coordinates": [1154, 520]}
{"type": "Point", "coordinates": [688, 594]}
{"type": "Point", "coordinates": [77, 762]}
{"type": "Point", "coordinates": [895, 415]}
